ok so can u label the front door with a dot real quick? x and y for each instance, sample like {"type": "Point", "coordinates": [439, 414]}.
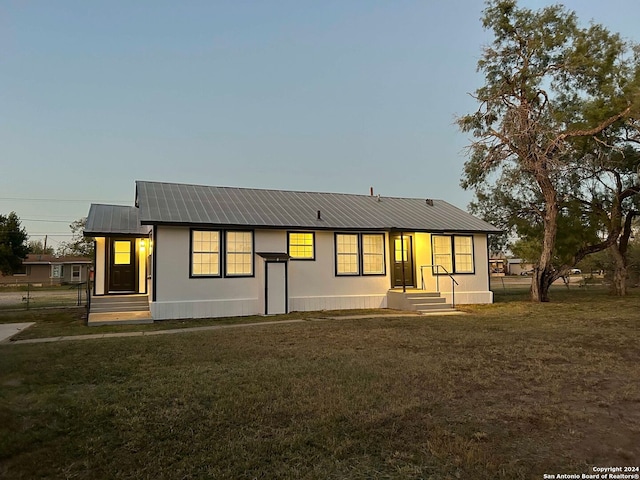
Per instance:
{"type": "Point", "coordinates": [402, 255]}
{"type": "Point", "coordinates": [122, 271]}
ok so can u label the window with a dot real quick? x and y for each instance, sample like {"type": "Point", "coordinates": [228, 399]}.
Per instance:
{"type": "Point", "coordinates": [347, 254]}
{"type": "Point", "coordinates": [373, 254]}
{"type": "Point", "coordinates": [442, 261]}
{"type": "Point", "coordinates": [56, 271]}
{"type": "Point", "coordinates": [205, 253]}
{"type": "Point", "coordinates": [463, 248]}
{"type": "Point", "coordinates": [452, 253]}
{"type": "Point", "coordinates": [302, 246]}
{"type": "Point", "coordinates": [75, 273]}
{"type": "Point", "coordinates": [122, 252]}
{"type": "Point", "coordinates": [239, 249]}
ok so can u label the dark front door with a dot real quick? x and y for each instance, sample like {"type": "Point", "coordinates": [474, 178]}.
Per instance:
{"type": "Point", "coordinates": [122, 272]}
{"type": "Point", "coordinates": [402, 255]}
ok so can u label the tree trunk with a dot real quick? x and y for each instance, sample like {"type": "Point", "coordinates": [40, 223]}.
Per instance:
{"type": "Point", "coordinates": [619, 281]}
{"type": "Point", "coordinates": [543, 274]}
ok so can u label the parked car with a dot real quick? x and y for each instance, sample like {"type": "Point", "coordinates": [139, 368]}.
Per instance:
{"type": "Point", "coordinates": [524, 273]}
{"type": "Point", "coordinates": [575, 271]}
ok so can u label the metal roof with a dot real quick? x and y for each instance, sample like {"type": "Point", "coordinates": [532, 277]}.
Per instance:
{"type": "Point", "coordinates": [182, 204]}
{"type": "Point", "coordinates": [114, 219]}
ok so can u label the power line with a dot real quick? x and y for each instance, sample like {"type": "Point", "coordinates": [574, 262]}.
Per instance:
{"type": "Point", "coordinates": [47, 221]}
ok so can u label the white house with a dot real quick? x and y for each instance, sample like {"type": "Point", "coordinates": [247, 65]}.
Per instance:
{"type": "Point", "coordinates": [203, 251]}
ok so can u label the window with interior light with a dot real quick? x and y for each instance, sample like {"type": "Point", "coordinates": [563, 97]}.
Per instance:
{"type": "Point", "coordinates": [373, 254]}
{"type": "Point", "coordinates": [239, 254]}
{"type": "Point", "coordinates": [205, 253]}
{"type": "Point", "coordinates": [301, 245]}
{"type": "Point", "coordinates": [347, 254]}
{"type": "Point", "coordinates": [452, 254]}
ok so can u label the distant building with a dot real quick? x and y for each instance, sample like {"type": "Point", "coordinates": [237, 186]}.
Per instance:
{"type": "Point", "coordinates": [517, 266]}
{"type": "Point", "coordinates": [50, 270]}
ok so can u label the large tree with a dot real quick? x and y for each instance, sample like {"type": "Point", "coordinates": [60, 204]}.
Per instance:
{"type": "Point", "coordinates": [13, 244]}
{"type": "Point", "coordinates": [609, 191]}
{"type": "Point", "coordinates": [79, 245]}
{"type": "Point", "coordinates": [38, 247]}
{"type": "Point", "coordinates": [550, 86]}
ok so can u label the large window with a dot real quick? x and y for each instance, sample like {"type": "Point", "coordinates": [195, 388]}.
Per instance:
{"type": "Point", "coordinates": [452, 254]}
{"type": "Point", "coordinates": [373, 254]}
{"type": "Point", "coordinates": [302, 245]}
{"type": "Point", "coordinates": [360, 254]}
{"type": "Point", "coordinates": [347, 254]}
{"type": "Point", "coordinates": [239, 253]}
{"type": "Point", "coordinates": [205, 253]}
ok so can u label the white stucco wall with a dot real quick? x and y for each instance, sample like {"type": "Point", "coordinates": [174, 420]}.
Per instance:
{"type": "Point", "coordinates": [312, 284]}
{"type": "Point", "coordinates": [99, 275]}
{"type": "Point", "coordinates": [178, 296]}
{"type": "Point", "coordinates": [141, 258]}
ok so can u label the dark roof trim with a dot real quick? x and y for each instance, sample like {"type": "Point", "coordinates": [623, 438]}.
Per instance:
{"type": "Point", "coordinates": [277, 257]}
{"type": "Point", "coordinates": [310, 228]}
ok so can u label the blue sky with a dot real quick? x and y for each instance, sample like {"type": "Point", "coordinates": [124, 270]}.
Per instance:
{"type": "Point", "coordinates": [332, 96]}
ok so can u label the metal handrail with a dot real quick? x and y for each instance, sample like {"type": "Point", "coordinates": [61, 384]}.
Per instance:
{"type": "Point", "coordinates": [453, 280]}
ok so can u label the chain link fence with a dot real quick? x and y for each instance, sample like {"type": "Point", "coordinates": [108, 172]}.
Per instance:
{"type": "Point", "coordinates": [27, 296]}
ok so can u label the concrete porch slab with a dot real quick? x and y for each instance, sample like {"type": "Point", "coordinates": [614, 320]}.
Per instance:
{"type": "Point", "coordinates": [119, 318]}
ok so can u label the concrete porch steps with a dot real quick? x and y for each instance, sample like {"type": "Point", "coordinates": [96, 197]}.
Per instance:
{"type": "Point", "coordinates": [418, 301]}
{"type": "Point", "coordinates": [119, 309]}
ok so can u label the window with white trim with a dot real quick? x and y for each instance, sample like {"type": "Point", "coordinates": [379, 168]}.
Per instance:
{"type": "Point", "coordinates": [302, 245]}
{"type": "Point", "coordinates": [56, 270]}
{"type": "Point", "coordinates": [239, 253]}
{"type": "Point", "coordinates": [347, 254]}
{"type": "Point", "coordinates": [75, 273]}
{"type": "Point", "coordinates": [205, 253]}
{"type": "Point", "coordinates": [452, 254]}
{"type": "Point", "coordinates": [373, 254]}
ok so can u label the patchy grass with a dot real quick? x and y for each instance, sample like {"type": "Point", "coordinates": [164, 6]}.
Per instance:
{"type": "Point", "coordinates": [510, 391]}
{"type": "Point", "coordinates": [72, 321]}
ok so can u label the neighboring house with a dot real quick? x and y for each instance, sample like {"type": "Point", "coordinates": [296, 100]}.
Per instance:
{"type": "Point", "coordinates": [202, 251]}
{"type": "Point", "coordinates": [517, 266]}
{"type": "Point", "coordinates": [498, 265]}
{"type": "Point", "coordinates": [51, 270]}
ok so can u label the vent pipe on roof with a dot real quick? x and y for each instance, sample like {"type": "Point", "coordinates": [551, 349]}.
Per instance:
{"type": "Point", "coordinates": [371, 191]}
{"type": "Point", "coordinates": [429, 202]}
{"type": "Point", "coordinates": [378, 197]}
{"type": "Point", "coordinates": [319, 216]}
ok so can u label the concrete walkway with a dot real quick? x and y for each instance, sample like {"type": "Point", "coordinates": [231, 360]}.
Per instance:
{"type": "Point", "coordinates": [8, 330]}
{"type": "Point", "coordinates": [5, 340]}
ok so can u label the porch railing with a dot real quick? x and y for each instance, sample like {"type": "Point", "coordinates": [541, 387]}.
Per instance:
{"type": "Point", "coordinates": [437, 274]}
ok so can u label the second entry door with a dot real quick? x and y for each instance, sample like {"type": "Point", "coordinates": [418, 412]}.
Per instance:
{"type": "Point", "coordinates": [403, 260]}
{"type": "Point", "coordinates": [122, 272]}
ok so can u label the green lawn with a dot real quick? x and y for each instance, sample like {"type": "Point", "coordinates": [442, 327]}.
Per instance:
{"type": "Point", "coordinates": [510, 391]}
